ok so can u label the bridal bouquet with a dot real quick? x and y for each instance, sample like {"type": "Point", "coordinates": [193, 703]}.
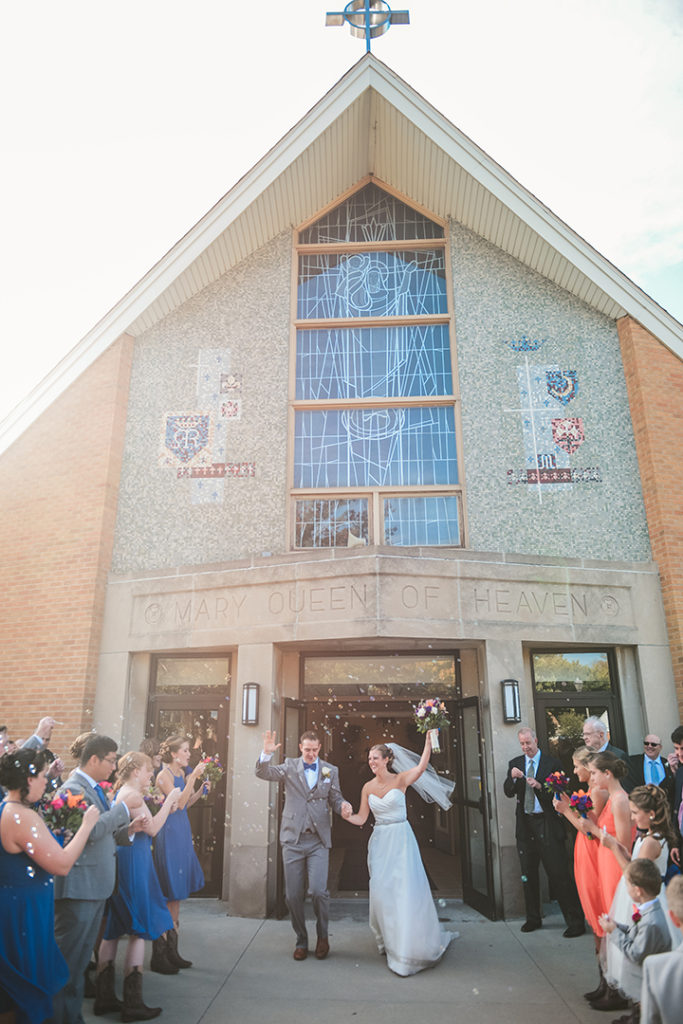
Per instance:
{"type": "Point", "coordinates": [430, 716]}
{"type": "Point", "coordinates": [63, 815]}
{"type": "Point", "coordinates": [213, 771]}
{"type": "Point", "coordinates": [556, 783]}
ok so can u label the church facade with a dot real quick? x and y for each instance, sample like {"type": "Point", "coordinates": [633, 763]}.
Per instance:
{"type": "Point", "coordinates": [379, 428]}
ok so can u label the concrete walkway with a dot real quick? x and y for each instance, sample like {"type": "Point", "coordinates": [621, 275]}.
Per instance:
{"type": "Point", "coordinates": [490, 974]}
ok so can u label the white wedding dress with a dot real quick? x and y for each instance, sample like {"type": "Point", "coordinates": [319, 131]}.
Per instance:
{"type": "Point", "coordinates": [403, 917]}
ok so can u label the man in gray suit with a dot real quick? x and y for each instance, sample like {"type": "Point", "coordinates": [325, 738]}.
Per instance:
{"type": "Point", "coordinates": [661, 997]}
{"type": "Point", "coordinates": [595, 738]}
{"type": "Point", "coordinates": [81, 895]}
{"type": "Point", "coordinates": [311, 790]}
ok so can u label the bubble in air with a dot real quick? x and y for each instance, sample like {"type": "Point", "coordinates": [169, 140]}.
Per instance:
{"type": "Point", "coordinates": [31, 871]}
{"type": "Point", "coordinates": [29, 848]}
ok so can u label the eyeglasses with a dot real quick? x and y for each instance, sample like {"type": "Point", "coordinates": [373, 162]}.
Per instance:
{"type": "Point", "coordinates": [646, 743]}
{"type": "Point", "coordinates": [110, 760]}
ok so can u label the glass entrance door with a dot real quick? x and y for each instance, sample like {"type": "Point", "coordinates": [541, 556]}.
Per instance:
{"type": "Point", "coordinates": [471, 799]}
{"type": "Point", "coordinates": [190, 697]}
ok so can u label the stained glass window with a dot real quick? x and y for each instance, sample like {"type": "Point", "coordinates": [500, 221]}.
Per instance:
{"type": "Point", "coordinates": [405, 447]}
{"type": "Point", "coordinates": [374, 362]}
{"type": "Point", "coordinates": [372, 445]}
{"type": "Point", "coordinates": [371, 215]}
{"type": "Point", "coordinates": [372, 284]}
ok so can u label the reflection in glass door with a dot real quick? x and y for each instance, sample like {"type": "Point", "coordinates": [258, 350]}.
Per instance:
{"type": "Point", "coordinates": [190, 696]}
{"type": "Point", "coordinates": [472, 799]}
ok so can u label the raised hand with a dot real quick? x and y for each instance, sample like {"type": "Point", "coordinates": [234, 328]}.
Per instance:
{"type": "Point", "coordinates": [269, 744]}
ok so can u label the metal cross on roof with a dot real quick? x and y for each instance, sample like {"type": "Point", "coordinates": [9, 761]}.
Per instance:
{"type": "Point", "coordinates": [368, 19]}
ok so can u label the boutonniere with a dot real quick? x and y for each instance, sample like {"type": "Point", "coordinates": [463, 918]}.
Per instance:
{"type": "Point", "coordinates": [325, 771]}
{"type": "Point", "coordinates": [636, 917]}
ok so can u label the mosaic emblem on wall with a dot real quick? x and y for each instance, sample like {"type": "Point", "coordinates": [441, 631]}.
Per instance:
{"type": "Point", "coordinates": [186, 439]}
{"type": "Point", "coordinates": [562, 386]}
{"type": "Point", "coordinates": [568, 434]}
{"type": "Point", "coordinates": [230, 382]}
{"type": "Point", "coordinates": [525, 344]}
{"type": "Point", "coordinates": [231, 409]}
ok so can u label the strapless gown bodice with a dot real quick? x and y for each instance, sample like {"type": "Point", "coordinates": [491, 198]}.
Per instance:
{"type": "Point", "coordinates": [389, 809]}
{"type": "Point", "coordinates": [403, 917]}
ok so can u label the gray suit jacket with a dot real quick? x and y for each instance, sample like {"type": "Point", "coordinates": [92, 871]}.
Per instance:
{"type": "Point", "coordinates": [93, 876]}
{"type": "Point", "coordinates": [644, 937]}
{"type": "Point", "coordinates": [303, 804]}
{"type": "Point", "coordinates": [661, 998]}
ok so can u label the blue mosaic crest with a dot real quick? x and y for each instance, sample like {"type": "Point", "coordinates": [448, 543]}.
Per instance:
{"type": "Point", "coordinates": [525, 344]}
{"type": "Point", "coordinates": [187, 435]}
{"type": "Point", "coordinates": [564, 386]}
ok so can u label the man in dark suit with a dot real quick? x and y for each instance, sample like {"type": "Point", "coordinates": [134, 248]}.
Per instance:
{"type": "Point", "coordinates": [311, 791]}
{"type": "Point", "coordinates": [595, 738]}
{"type": "Point", "coordinates": [676, 764]}
{"type": "Point", "coordinates": [540, 836]}
{"type": "Point", "coordinates": [650, 768]}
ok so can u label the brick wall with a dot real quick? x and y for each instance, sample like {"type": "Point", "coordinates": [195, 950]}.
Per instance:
{"type": "Point", "coordinates": [654, 377]}
{"type": "Point", "coordinates": [58, 492]}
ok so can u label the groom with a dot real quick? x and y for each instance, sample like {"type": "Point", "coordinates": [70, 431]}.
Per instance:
{"type": "Point", "coordinates": [311, 790]}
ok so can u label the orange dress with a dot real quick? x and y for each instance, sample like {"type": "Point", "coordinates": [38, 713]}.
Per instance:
{"type": "Point", "coordinates": [609, 871]}
{"type": "Point", "coordinates": [588, 880]}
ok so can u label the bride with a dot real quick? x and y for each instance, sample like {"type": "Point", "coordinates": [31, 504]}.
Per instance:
{"type": "Point", "coordinates": [403, 918]}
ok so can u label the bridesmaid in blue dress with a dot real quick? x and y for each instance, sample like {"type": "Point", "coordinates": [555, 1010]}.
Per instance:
{"type": "Point", "coordinates": [137, 907]}
{"type": "Point", "coordinates": [32, 969]}
{"type": "Point", "coordinates": [179, 870]}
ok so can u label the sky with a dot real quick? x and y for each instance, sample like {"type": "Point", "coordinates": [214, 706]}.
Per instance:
{"type": "Point", "coordinates": [123, 123]}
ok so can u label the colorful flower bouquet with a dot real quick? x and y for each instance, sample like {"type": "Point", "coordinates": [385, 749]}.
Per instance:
{"type": "Point", "coordinates": [153, 798]}
{"type": "Point", "coordinates": [556, 783]}
{"type": "Point", "coordinates": [63, 814]}
{"type": "Point", "coordinates": [581, 802]}
{"type": "Point", "coordinates": [108, 790]}
{"type": "Point", "coordinates": [430, 716]}
{"type": "Point", "coordinates": [213, 771]}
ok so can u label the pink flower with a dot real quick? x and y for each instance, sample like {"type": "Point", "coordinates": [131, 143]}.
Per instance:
{"type": "Point", "coordinates": [58, 802]}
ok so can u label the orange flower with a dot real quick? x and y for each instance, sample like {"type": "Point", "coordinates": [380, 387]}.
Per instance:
{"type": "Point", "coordinates": [73, 799]}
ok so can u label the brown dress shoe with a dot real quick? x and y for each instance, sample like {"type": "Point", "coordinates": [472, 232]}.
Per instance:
{"type": "Point", "coordinates": [300, 953]}
{"type": "Point", "coordinates": [322, 949]}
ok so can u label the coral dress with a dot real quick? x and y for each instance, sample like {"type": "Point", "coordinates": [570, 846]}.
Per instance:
{"type": "Point", "coordinates": [609, 871]}
{"type": "Point", "coordinates": [32, 970]}
{"type": "Point", "coordinates": [179, 871]}
{"type": "Point", "coordinates": [587, 879]}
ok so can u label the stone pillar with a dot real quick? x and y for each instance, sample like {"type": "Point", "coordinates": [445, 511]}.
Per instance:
{"type": "Point", "coordinates": [250, 839]}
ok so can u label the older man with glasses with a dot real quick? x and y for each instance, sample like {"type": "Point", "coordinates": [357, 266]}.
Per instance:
{"type": "Point", "coordinates": [595, 738]}
{"type": "Point", "coordinates": [650, 768]}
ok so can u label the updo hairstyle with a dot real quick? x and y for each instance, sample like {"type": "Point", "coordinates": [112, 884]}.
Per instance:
{"type": "Point", "coordinates": [18, 767]}
{"type": "Point", "coordinates": [609, 762]}
{"type": "Point", "coordinates": [654, 800]}
{"type": "Point", "coordinates": [386, 753]}
{"type": "Point", "coordinates": [129, 763]}
{"type": "Point", "coordinates": [171, 746]}
{"type": "Point", "coordinates": [584, 756]}
{"type": "Point", "coordinates": [78, 746]}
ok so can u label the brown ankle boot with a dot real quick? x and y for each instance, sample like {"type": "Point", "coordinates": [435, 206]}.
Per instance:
{"type": "Point", "coordinates": [611, 1000]}
{"type": "Point", "coordinates": [133, 1006]}
{"type": "Point", "coordinates": [105, 996]}
{"type": "Point", "coordinates": [174, 956]}
{"type": "Point", "coordinates": [160, 962]}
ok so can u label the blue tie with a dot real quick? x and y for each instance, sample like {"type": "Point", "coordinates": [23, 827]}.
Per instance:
{"type": "Point", "coordinates": [103, 799]}
{"type": "Point", "coordinates": [310, 767]}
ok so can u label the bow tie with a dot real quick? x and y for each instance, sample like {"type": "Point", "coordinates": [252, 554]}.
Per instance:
{"type": "Point", "coordinates": [310, 767]}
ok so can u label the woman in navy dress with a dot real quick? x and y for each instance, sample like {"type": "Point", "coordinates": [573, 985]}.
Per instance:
{"type": "Point", "coordinates": [179, 871]}
{"type": "Point", "coordinates": [137, 907]}
{"type": "Point", "coordinates": [32, 969]}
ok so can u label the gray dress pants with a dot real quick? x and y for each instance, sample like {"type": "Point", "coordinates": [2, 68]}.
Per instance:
{"type": "Point", "coordinates": [307, 861]}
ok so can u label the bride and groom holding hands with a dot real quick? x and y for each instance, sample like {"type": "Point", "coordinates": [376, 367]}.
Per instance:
{"type": "Point", "coordinates": [403, 917]}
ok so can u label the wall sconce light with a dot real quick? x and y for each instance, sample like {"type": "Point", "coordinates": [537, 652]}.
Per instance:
{"type": "Point", "coordinates": [512, 711]}
{"type": "Point", "coordinates": [250, 704]}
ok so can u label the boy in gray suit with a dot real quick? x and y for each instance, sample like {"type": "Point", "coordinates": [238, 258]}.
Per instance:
{"type": "Point", "coordinates": [81, 895]}
{"type": "Point", "coordinates": [311, 789]}
{"type": "Point", "coordinates": [661, 1000]}
{"type": "Point", "coordinates": [648, 932]}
